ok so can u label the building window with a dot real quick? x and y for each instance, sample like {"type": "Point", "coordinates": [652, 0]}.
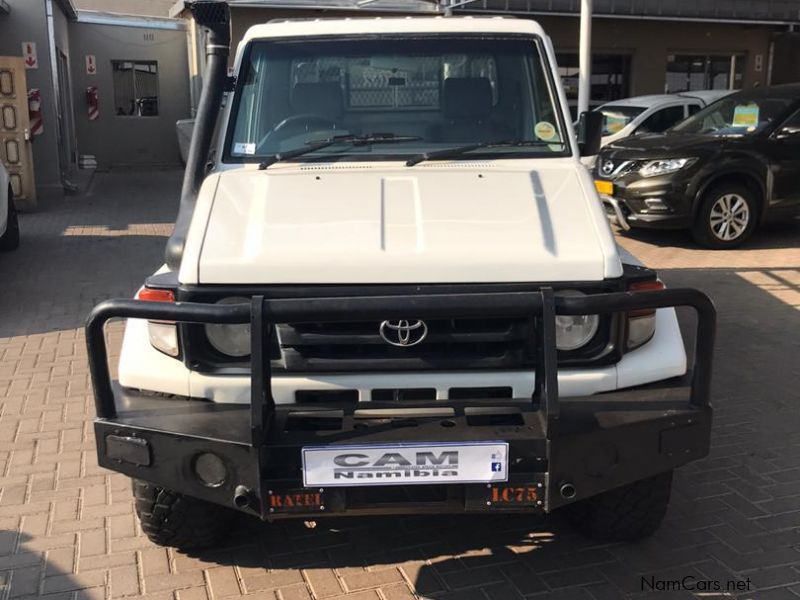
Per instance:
{"type": "Point", "coordinates": [135, 88]}
{"type": "Point", "coordinates": [688, 73]}
{"type": "Point", "coordinates": [610, 78]}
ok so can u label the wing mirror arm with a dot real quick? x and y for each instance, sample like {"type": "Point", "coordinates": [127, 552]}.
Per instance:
{"type": "Point", "coordinates": [590, 133]}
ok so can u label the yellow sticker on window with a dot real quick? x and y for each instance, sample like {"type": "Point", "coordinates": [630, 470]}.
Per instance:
{"type": "Point", "coordinates": [615, 124]}
{"type": "Point", "coordinates": [746, 115]}
{"type": "Point", "coordinates": [545, 130]}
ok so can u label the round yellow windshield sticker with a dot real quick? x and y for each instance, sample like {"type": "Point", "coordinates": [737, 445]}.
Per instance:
{"type": "Point", "coordinates": [545, 131]}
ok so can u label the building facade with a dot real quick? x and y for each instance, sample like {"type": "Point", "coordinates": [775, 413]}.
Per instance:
{"type": "Point", "coordinates": [80, 87]}
{"type": "Point", "coordinates": [127, 104]}
{"type": "Point", "coordinates": [37, 31]}
{"type": "Point", "coordinates": [638, 47]}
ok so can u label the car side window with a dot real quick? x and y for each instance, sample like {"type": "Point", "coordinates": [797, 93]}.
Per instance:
{"type": "Point", "coordinates": [661, 120]}
{"type": "Point", "coordinates": [694, 108]}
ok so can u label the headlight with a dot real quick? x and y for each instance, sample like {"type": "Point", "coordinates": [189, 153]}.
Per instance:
{"type": "Point", "coordinates": [573, 332]}
{"type": "Point", "coordinates": [233, 340]}
{"type": "Point", "coordinates": [664, 166]}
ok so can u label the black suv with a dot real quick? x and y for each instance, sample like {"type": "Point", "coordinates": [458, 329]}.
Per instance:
{"type": "Point", "coordinates": [720, 173]}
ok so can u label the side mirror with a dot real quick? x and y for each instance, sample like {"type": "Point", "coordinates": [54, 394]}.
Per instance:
{"type": "Point", "coordinates": [590, 133]}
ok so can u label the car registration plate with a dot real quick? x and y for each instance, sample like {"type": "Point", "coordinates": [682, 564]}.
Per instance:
{"type": "Point", "coordinates": [604, 187]}
{"type": "Point", "coordinates": [405, 464]}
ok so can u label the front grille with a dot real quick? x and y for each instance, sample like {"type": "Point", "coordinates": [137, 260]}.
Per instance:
{"type": "Point", "coordinates": [450, 344]}
{"type": "Point", "coordinates": [621, 168]}
{"type": "Point", "coordinates": [357, 347]}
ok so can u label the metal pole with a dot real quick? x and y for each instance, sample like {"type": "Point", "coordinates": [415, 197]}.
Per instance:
{"type": "Point", "coordinates": [585, 62]}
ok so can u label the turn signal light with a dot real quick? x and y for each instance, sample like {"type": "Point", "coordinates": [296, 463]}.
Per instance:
{"type": "Point", "coordinates": [154, 295]}
{"type": "Point", "coordinates": [163, 334]}
{"type": "Point", "coordinates": [641, 324]}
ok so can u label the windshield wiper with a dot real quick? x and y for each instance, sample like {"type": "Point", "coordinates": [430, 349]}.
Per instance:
{"type": "Point", "coordinates": [356, 140]}
{"type": "Point", "coordinates": [459, 150]}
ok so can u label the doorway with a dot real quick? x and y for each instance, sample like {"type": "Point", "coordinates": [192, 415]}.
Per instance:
{"type": "Point", "coordinates": [66, 130]}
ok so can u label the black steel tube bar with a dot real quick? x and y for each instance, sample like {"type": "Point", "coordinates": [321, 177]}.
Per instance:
{"type": "Point", "coordinates": [386, 307]}
{"type": "Point", "coordinates": [547, 374]}
{"type": "Point", "coordinates": [624, 301]}
{"type": "Point", "coordinates": [262, 405]}
{"type": "Point", "coordinates": [162, 311]}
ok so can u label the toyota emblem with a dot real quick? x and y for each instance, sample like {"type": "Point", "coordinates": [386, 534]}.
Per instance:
{"type": "Point", "coordinates": [607, 168]}
{"type": "Point", "coordinates": [403, 333]}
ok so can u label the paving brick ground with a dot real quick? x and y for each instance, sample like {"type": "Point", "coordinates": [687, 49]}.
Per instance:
{"type": "Point", "coordinates": [67, 529]}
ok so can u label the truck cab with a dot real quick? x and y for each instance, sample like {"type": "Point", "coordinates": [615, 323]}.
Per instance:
{"type": "Point", "coordinates": [395, 290]}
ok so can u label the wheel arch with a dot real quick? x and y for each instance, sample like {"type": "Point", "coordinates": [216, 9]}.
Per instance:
{"type": "Point", "coordinates": [746, 178]}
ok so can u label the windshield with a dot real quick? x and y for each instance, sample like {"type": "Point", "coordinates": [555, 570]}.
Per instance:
{"type": "Point", "coordinates": [428, 93]}
{"type": "Point", "coordinates": [735, 116]}
{"type": "Point", "coordinates": [616, 118]}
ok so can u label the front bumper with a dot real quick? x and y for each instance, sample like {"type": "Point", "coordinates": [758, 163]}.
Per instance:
{"type": "Point", "coordinates": [658, 204]}
{"type": "Point", "coordinates": [560, 452]}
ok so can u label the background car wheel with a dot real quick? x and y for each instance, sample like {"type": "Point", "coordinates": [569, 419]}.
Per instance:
{"type": "Point", "coordinates": [10, 239]}
{"type": "Point", "coordinates": [172, 519]}
{"type": "Point", "coordinates": [629, 513]}
{"type": "Point", "coordinates": [727, 217]}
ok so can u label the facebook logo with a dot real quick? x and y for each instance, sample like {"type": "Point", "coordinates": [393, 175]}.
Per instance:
{"type": "Point", "coordinates": [497, 467]}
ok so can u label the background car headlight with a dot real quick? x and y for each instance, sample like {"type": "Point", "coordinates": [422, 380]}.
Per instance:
{"type": "Point", "coordinates": [664, 166]}
{"type": "Point", "coordinates": [573, 332]}
{"type": "Point", "coordinates": [233, 340]}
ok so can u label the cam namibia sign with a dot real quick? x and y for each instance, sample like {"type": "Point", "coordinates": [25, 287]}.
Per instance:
{"type": "Point", "coordinates": [29, 55]}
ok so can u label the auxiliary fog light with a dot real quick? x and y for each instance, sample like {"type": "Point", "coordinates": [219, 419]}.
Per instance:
{"type": "Point", "coordinates": [656, 204]}
{"type": "Point", "coordinates": [210, 469]}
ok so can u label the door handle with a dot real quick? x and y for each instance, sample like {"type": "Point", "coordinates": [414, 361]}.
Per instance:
{"type": "Point", "coordinates": [26, 133]}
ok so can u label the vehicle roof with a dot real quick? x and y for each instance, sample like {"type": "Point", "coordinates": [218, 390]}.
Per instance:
{"type": "Point", "coordinates": [787, 90]}
{"type": "Point", "coordinates": [382, 25]}
{"type": "Point", "coordinates": [645, 101]}
{"type": "Point", "coordinates": [707, 96]}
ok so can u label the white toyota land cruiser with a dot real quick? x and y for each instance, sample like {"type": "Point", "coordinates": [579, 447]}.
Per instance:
{"type": "Point", "coordinates": [395, 290]}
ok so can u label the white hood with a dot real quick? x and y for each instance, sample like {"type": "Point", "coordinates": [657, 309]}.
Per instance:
{"type": "Point", "coordinates": [432, 223]}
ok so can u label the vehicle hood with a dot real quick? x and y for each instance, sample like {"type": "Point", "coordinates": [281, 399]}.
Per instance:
{"type": "Point", "coordinates": [662, 145]}
{"type": "Point", "coordinates": [329, 223]}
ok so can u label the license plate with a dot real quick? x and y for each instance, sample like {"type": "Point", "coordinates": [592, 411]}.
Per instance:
{"type": "Point", "coordinates": [295, 500]}
{"type": "Point", "coordinates": [405, 464]}
{"type": "Point", "coordinates": [604, 187]}
{"type": "Point", "coordinates": [515, 494]}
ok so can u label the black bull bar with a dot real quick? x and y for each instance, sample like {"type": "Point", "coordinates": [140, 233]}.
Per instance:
{"type": "Point", "coordinates": [570, 449]}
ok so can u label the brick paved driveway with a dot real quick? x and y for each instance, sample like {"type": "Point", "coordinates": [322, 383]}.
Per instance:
{"type": "Point", "coordinates": [67, 528]}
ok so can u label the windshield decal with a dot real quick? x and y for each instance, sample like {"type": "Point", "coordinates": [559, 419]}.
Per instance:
{"type": "Point", "coordinates": [545, 131]}
{"type": "Point", "coordinates": [247, 148]}
{"type": "Point", "coordinates": [746, 115]}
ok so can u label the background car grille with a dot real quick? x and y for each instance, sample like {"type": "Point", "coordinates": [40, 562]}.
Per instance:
{"type": "Point", "coordinates": [621, 167]}
{"type": "Point", "coordinates": [450, 344]}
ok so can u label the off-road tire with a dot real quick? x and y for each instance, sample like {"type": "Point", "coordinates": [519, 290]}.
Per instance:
{"type": "Point", "coordinates": [625, 514]}
{"type": "Point", "coordinates": [172, 519]}
{"type": "Point", "coordinates": [702, 231]}
{"type": "Point", "coordinates": [10, 239]}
